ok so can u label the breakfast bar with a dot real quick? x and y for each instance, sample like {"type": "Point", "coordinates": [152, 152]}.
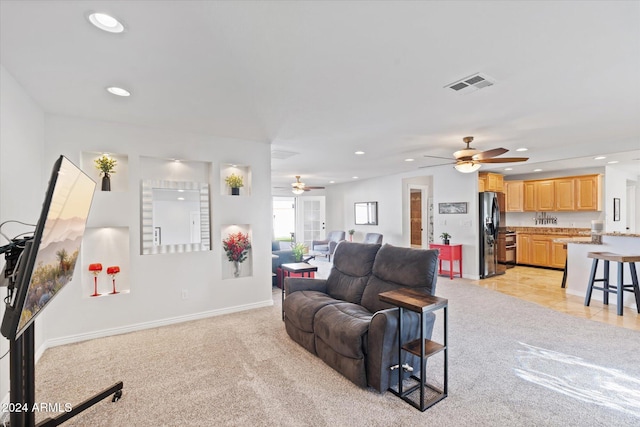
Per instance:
{"type": "Point", "coordinates": [579, 264]}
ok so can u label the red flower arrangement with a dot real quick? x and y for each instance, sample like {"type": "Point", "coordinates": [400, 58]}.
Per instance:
{"type": "Point", "coordinates": [236, 246]}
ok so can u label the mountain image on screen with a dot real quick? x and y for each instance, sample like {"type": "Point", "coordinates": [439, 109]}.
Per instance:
{"type": "Point", "coordinates": [59, 246]}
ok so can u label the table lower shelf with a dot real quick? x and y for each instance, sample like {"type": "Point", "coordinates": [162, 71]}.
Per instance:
{"type": "Point", "coordinates": [430, 347]}
{"type": "Point", "coordinates": [411, 393]}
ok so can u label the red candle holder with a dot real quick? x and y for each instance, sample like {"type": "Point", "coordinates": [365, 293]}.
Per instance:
{"type": "Point", "coordinates": [95, 269]}
{"type": "Point", "coordinates": [112, 271]}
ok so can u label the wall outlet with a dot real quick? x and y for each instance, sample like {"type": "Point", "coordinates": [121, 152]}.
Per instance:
{"type": "Point", "coordinates": [185, 294]}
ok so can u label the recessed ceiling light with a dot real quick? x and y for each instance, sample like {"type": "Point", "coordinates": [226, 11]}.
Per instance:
{"type": "Point", "coordinates": [332, 182]}
{"type": "Point", "coordinates": [409, 160]}
{"type": "Point", "coordinates": [118, 91]}
{"type": "Point", "coordinates": [522, 149]}
{"type": "Point", "coordinates": [180, 198]}
{"type": "Point", "coordinates": [354, 177]}
{"type": "Point", "coordinates": [612, 162]}
{"type": "Point", "coordinates": [537, 170]}
{"type": "Point", "coordinates": [599, 158]}
{"type": "Point", "coordinates": [106, 22]}
{"type": "Point", "coordinates": [508, 169]}
{"type": "Point", "coordinates": [359, 153]}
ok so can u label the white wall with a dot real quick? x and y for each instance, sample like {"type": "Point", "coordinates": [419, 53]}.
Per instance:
{"type": "Point", "coordinates": [392, 194]}
{"type": "Point", "coordinates": [616, 187]}
{"type": "Point", "coordinates": [31, 140]}
{"type": "Point", "coordinates": [157, 281]}
{"type": "Point", "coordinates": [22, 175]}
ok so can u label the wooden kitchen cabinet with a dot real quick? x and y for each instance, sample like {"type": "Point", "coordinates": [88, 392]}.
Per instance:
{"type": "Point", "coordinates": [540, 250]}
{"type": "Point", "coordinates": [529, 188]}
{"type": "Point", "coordinates": [558, 253]}
{"type": "Point", "coordinates": [514, 191]}
{"type": "Point", "coordinates": [565, 194]}
{"type": "Point", "coordinates": [588, 189]}
{"type": "Point", "coordinates": [488, 181]}
{"type": "Point", "coordinates": [523, 251]}
{"type": "Point", "coordinates": [545, 195]}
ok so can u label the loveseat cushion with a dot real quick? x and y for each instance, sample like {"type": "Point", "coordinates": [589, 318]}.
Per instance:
{"type": "Point", "coordinates": [343, 327]}
{"type": "Point", "coordinates": [351, 269]}
{"type": "Point", "coordinates": [301, 308]}
{"type": "Point", "coordinates": [397, 267]}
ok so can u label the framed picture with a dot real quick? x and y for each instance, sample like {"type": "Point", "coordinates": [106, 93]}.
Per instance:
{"type": "Point", "coordinates": [616, 209]}
{"type": "Point", "coordinates": [366, 213]}
{"type": "Point", "coordinates": [452, 208]}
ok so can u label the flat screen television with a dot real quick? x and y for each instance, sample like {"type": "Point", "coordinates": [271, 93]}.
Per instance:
{"type": "Point", "coordinates": [48, 261]}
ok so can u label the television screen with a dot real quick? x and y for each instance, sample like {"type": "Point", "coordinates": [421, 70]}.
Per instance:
{"type": "Point", "coordinates": [49, 261]}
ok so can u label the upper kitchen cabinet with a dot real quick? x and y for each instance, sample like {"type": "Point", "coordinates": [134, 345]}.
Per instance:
{"type": "Point", "coordinates": [566, 194]}
{"type": "Point", "coordinates": [488, 181]}
{"type": "Point", "coordinates": [514, 191]}
{"type": "Point", "coordinates": [588, 190]}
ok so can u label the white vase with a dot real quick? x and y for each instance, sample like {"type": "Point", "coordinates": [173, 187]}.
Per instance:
{"type": "Point", "coordinates": [236, 269]}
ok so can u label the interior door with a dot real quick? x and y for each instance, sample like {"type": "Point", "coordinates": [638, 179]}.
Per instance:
{"type": "Point", "coordinates": [416, 218]}
{"type": "Point", "coordinates": [310, 224]}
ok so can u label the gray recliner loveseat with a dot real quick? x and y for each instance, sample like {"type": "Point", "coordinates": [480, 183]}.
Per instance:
{"type": "Point", "coordinates": [342, 320]}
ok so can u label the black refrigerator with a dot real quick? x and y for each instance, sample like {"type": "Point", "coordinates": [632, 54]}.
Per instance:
{"type": "Point", "coordinates": [492, 222]}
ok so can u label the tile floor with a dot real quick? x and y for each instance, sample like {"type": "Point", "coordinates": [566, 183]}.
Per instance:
{"type": "Point", "coordinates": [542, 286]}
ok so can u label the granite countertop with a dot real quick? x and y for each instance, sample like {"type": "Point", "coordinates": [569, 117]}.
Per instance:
{"type": "Point", "coordinates": [564, 231]}
{"type": "Point", "coordinates": [578, 240]}
{"type": "Point", "coordinates": [617, 234]}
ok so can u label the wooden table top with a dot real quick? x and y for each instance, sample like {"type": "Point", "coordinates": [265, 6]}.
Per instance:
{"type": "Point", "coordinates": [299, 267]}
{"type": "Point", "coordinates": [413, 300]}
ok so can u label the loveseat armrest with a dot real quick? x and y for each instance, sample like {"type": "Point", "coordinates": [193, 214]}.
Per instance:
{"type": "Point", "coordinates": [382, 351]}
{"type": "Point", "coordinates": [294, 284]}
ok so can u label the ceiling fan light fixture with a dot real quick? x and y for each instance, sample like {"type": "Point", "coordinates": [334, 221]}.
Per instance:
{"type": "Point", "coordinates": [467, 167]}
{"type": "Point", "coordinates": [297, 191]}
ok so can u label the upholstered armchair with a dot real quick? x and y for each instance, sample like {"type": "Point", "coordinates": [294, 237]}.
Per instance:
{"type": "Point", "coordinates": [373, 238]}
{"type": "Point", "coordinates": [328, 246]}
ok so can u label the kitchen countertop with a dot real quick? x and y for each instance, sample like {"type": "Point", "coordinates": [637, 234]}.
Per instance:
{"type": "Point", "coordinates": [617, 234]}
{"type": "Point", "coordinates": [564, 231]}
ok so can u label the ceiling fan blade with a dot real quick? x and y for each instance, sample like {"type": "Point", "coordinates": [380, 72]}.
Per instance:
{"type": "Point", "coordinates": [314, 188]}
{"type": "Point", "coordinates": [433, 166]}
{"type": "Point", "coordinates": [489, 154]}
{"type": "Point", "coordinates": [438, 157]}
{"type": "Point", "coordinates": [503, 160]}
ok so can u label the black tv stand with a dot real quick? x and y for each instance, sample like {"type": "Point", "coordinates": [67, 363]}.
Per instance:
{"type": "Point", "coordinates": [22, 386]}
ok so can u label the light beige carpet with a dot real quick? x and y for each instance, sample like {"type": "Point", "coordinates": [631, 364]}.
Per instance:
{"type": "Point", "coordinates": [243, 370]}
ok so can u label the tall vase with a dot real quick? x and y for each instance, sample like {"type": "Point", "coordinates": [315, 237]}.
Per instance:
{"type": "Point", "coordinates": [106, 182]}
{"type": "Point", "coordinates": [236, 269]}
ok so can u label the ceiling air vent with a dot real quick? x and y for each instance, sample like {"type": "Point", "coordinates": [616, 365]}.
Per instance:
{"type": "Point", "coordinates": [471, 83]}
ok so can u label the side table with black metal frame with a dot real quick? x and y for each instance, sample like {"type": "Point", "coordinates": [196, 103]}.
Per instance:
{"type": "Point", "coordinates": [421, 303]}
{"type": "Point", "coordinates": [295, 267]}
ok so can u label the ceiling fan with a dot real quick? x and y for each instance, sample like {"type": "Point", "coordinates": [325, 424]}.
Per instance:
{"type": "Point", "coordinates": [469, 159]}
{"type": "Point", "coordinates": [300, 187]}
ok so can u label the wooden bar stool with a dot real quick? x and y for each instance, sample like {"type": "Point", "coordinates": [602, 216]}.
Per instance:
{"type": "Point", "coordinates": [621, 287]}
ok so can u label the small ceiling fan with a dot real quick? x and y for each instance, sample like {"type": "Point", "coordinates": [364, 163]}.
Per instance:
{"type": "Point", "coordinates": [300, 187]}
{"type": "Point", "coordinates": [469, 159]}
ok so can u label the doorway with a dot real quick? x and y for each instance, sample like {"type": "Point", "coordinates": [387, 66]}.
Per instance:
{"type": "Point", "coordinates": [419, 216]}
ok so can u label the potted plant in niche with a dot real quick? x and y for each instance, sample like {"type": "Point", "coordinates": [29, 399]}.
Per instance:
{"type": "Point", "coordinates": [237, 246]}
{"type": "Point", "coordinates": [235, 182]}
{"type": "Point", "coordinates": [298, 251]}
{"type": "Point", "coordinates": [351, 233]}
{"type": "Point", "coordinates": [445, 238]}
{"type": "Point", "coordinates": [107, 166]}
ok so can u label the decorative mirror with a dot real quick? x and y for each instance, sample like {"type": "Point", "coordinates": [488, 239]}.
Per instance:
{"type": "Point", "coordinates": [366, 213]}
{"type": "Point", "coordinates": [175, 217]}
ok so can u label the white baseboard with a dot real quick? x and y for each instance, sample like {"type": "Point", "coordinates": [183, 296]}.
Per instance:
{"type": "Point", "coordinates": [148, 325]}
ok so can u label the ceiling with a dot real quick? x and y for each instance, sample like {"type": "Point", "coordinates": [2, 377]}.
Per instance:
{"type": "Point", "coordinates": [321, 80]}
